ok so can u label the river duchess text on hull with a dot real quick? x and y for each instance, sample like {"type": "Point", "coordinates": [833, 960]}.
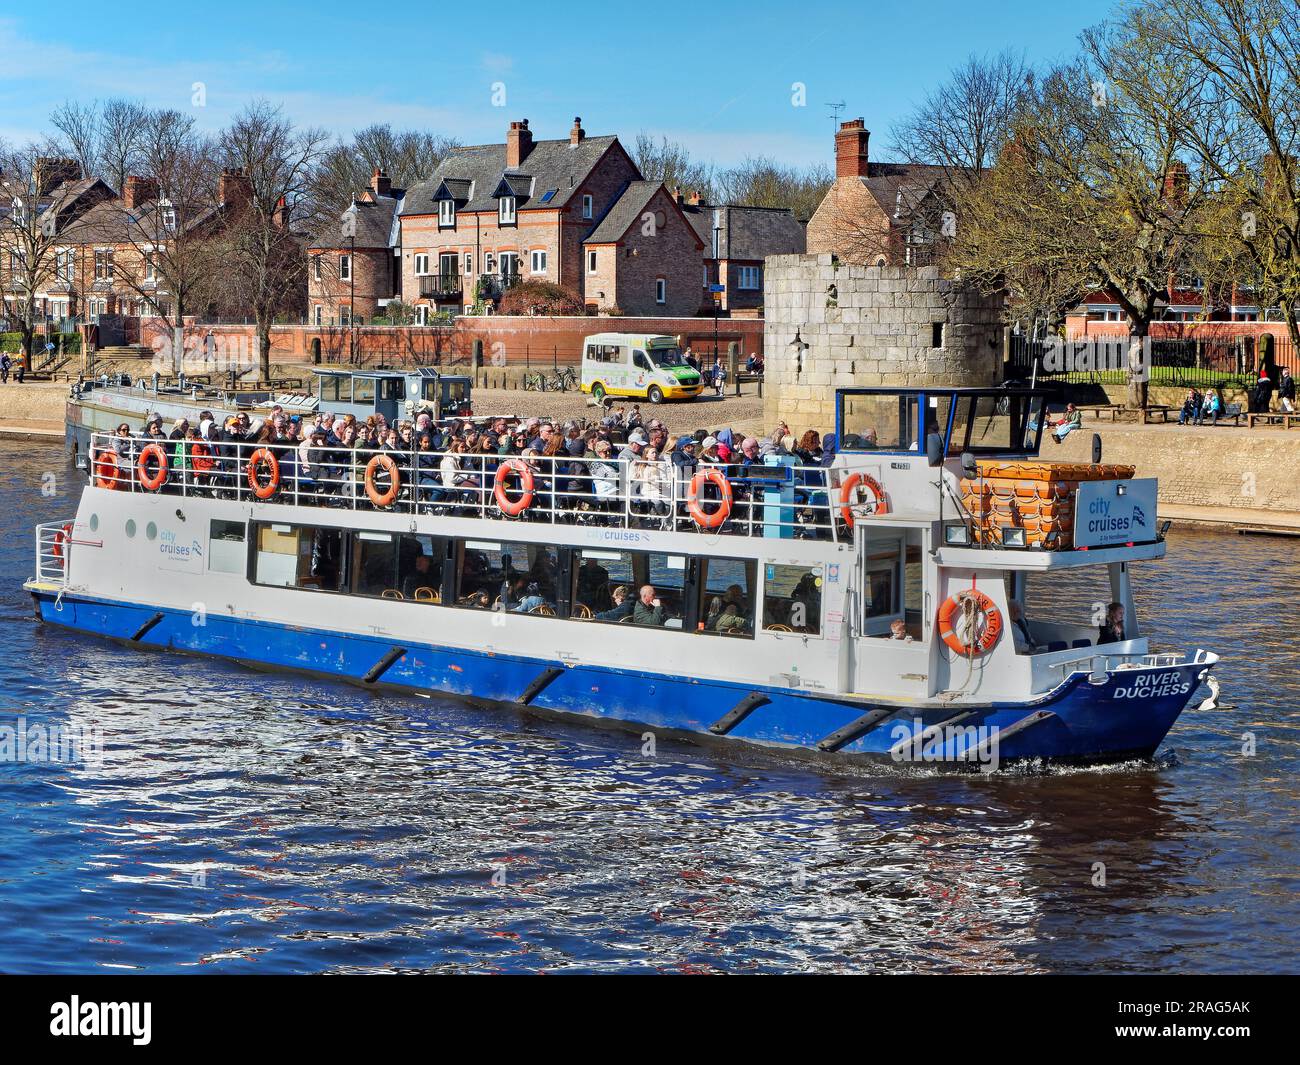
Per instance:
{"type": "Point", "coordinates": [872, 606]}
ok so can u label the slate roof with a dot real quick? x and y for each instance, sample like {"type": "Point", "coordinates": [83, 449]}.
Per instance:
{"type": "Point", "coordinates": [374, 226]}
{"type": "Point", "coordinates": [748, 232]}
{"type": "Point", "coordinates": [626, 209]}
{"type": "Point", "coordinates": [474, 173]}
{"type": "Point", "coordinates": [908, 184]}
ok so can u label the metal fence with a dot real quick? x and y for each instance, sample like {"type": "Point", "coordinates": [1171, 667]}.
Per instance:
{"type": "Point", "coordinates": [1185, 362]}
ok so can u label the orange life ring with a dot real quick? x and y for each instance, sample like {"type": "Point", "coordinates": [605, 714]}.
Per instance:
{"type": "Point", "coordinates": [513, 508]}
{"type": "Point", "coordinates": [713, 476]}
{"type": "Point", "coordinates": [383, 499]}
{"type": "Point", "coordinates": [107, 472]}
{"type": "Point", "coordinates": [992, 625]}
{"type": "Point", "coordinates": [260, 456]}
{"type": "Point", "coordinates": [63, 536]}
{"type": "Point", "coordinates": [201, 458]}
{"type": "Point", "coordinates": [156, 480]}
{"type": "Point", "coordinates": [846, 495]}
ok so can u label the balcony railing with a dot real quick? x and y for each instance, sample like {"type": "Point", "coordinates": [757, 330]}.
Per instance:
{"type": "Point", "coordinates": [440, 286]}
{"type": "Point", "coordinates": [773, 501]}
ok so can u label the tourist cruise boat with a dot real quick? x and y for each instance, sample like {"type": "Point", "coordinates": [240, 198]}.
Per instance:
{"type": "Point", "coordinates": [876, 607]}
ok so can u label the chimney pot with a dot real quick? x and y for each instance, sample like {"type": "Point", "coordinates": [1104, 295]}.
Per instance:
{"type": "Point", "coordinates": [519, 142]}
{"type": "Point", "coordinates": [577, 133]}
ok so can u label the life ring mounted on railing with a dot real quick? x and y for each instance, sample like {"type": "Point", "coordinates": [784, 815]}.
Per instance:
{"type": "Point", "coordinates": [155, 480]}
{"type": "Point", "coordinates": [108, 474]}
{"type": "Point", "coordinates": [386, 463]}
{"type": "Point", "coordinates": [263, 457]}
{"type": "Point", "coordinates": [848, 497]}
{"type": "Point", "coordinates": [512, 508]}
{"type": "Point", "coordinates": [972, 606]}
{"type": "Point", "coordinates": [705, 520]}
{"type": "Point", "coordinates": [63, 536]}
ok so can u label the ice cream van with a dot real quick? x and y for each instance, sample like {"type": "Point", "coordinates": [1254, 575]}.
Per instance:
{"type": "Point", "coordinates": [641, 365]}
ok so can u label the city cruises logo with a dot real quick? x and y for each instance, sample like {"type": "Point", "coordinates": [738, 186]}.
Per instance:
{"type": "Point", "coordinates": [60, 743]}
{"type": "Point", "coordinates": [77, 1018]}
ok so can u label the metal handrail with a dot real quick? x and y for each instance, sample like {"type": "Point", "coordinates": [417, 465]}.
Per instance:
{"type": "Point", "coordinates": [775, 501]}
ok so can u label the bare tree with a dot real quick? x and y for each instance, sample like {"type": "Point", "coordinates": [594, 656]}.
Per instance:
{"type": "Point", "coordinates": [264, 241]}
{"type": "Point", "coordinates": [406, 156]}
{"type": "Point", "coordinates": [763, 182]}
{"type": "Point", "coordinates": [105, 138]}
{"type": "Point", "coordinates": [670, 162]}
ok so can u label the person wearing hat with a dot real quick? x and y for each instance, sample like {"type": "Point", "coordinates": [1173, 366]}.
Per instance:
{"type": "Point", "coordinates": [709, 451]}
{"type": "Point", "coordinates": [636, 443]}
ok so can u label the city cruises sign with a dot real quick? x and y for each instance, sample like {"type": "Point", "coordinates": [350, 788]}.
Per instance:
{"type": "Point", "coordinates": [1111, 513]}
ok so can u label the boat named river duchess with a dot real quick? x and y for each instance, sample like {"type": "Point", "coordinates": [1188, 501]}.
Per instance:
{"type": "Point", "coordinates": [874, 607]}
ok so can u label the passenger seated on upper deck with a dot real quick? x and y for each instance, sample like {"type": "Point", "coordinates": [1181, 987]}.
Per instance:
{"type": "Point", "coordinates": [1112, 629]}
{"type": "Point", "coordinates": [1020, 636]}
{"type": "Point", "coordinates": [648, 610]}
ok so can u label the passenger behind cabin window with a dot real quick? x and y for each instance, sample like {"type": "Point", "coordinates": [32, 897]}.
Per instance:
{"type": "Point", "coordinates": [648, 610]}
{"type": "Point", "coordinates": [624, 605]}
{"type": "Point", "coordinates": [727, 613]}
{"type": "Point", "coordinates": [1020, 636]}
{"type": "Point", "coordinates": [898, 631]}
{"type": "Point", "coordinates": [424, 575]}
{"type": "Point", "coordinates": [593, 584]}
{"type": "Point", "coordinates": [1112, 629]}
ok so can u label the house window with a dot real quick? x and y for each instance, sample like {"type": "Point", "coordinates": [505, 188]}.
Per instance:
{"type": "Point", "coordinates": [506, 211]}
{"type": "Point", "coordinates": [538, 263]}
{"type": "Point", "coordinates": [591, 262]}
{"type": "Point", "coordinates": [345, 267]}
{"type": "Point", "coordinates": [661, 290]}
{"type": "Point", "coordinates": [446, 214]}
{"type": "Point", "coordinates": [469, 263]}
{"type": "Point", "coordinates": [64, 267]}
{"type": "Point", "coordinates": [168, 215]}
{"type": "Point", "coordinates": [750, 277]}
{"type": "Point", "coordinates": [588, 207]}
{"type": "Point", "coordinates": [315, 267]}
{"type": "Point", "coordinates": [318, 314]}
{"type": "Point", "coordinates": [103, 264]}
{"type": "Point", "coordinates": [422, 314]}
{"type": "Point", "coordinates": [421, 265]}
{"type": "Point", "coordinates": [509, 265]}
{"type": "Point", "coordinates": [706, 277]}
{"type": "Point", "coordinates": [489, 263]}
{"type": "Point", "coordinates": [936, 334]}
{"type": "Point", "coordinates": [151, 265]}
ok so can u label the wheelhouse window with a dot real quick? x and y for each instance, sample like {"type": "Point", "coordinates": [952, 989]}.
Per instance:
{"type": "Point", "coordinates": [335, 388]}
{"type": "Point", "coordinates": [506, 211]}
{"type": "Point", "coordinates": [446, 214]}
{"type": "Point", "coordinates": [878, 421]}
{"type": "Point", "coordinates": [792, 599]}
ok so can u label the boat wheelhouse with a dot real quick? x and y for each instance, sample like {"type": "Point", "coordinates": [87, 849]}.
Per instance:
{"type": "Point", "coordinates": [877, 606]}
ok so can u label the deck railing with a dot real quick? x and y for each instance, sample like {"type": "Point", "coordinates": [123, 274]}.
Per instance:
{"type": "Point", "coordinates": [769, 500]}
{"type": "Point", "coordinates": [53, 544]}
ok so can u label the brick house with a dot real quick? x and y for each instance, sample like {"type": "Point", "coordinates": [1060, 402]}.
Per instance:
{"type": "Point", "coordinates": [879, 214]}
{"type": "Point", "coordinates": [737, 239]}
{"type": "Point", "coordinates": [561, 211]}
{"type": "Point", "coordinates": [356, 274]}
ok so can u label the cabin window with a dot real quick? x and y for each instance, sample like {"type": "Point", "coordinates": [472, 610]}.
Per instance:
{"type": "Point", "coordinates": [516, 577]}
{"type": "Point", "coordinates": [726, 597]}
{"type": "Point", "coordinates": [226, 550]}
{"type": "Point", "coordinates": [291, 557]}
{"type": "Point", "coordinates": [878, 422]}
{"type": "Point", "coordinates": [792, 599]}
{"type": "Point", "coordinates": [598, 576]}
{"type": "Point", "coordinates": [363, 390]}
{"type": "Point", "coordinates": [398, 565]}
{"type": "Point", "coordinates": [392, 388]}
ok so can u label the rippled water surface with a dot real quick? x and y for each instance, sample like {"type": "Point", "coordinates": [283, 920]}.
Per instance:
{"type": "Point", "coordinates": [245, 822]}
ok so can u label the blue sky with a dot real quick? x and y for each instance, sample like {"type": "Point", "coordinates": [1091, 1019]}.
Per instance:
{"type": "Point", "coordinates": [717, 77]}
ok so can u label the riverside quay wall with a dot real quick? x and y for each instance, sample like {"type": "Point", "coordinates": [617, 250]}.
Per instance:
{"type": "Point", "coordinates": [508, 341]}
{"type": "Point", "coordinates": [831, 325]}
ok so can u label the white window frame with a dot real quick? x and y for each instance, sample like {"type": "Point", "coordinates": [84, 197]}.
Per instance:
{"type": "Point", "coordinates": [489, 262]}
{"type": "Point", "coordinates": [345, 267]}
{"type": "Point", "coordinates": [65, 265]}
{"type": "Point", "coordinates": [103, 264]}
{"type": "Point", "coordinates": [446, 214]}
{"type": "Point", "coordinates": [506, 215]}
{"type": "Point", "coordinates": [318, 315]}
{"type": "Point", "coordinates": [469, 264]}
{"type": "Point", "coordinates": [591, 260]}
{"type": "Point", "coordinates": [751, 278]}
{"type": "Point", "coordinates": [421, 263]}
{"type": "Point", "coordinates": [661, 290]}
{"type": "Point", "coordinates": [588, 206]}
{"type": "Point", "coordinates": [315, 268]}
{"type": "Point", "coordinates": [421, 314]}
{"type": "Point", "coordinates": [345, 314]}
{"type": "Point", "coordinates": [537, 261]}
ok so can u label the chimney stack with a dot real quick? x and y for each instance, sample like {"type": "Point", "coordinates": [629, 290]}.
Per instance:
{"type": "Point", "coordinates": [138, 190]}
{"type": "Point", "coordinates": [235, 191]}
{"type": "Point", "coordinates": [1177, 180]}
{"type": "Point", "coordinates": [280, 219]}
{"type": "Point", "coordinates": [519, 142]}
{"type": "Point", "coordinates": [693, 197]}
{"type": "Point", "coordinates": [380, 184]}
{"type": "Point", "coordinates": [851, 149]}
{"type": "Point", "coordinates": [577, 133]}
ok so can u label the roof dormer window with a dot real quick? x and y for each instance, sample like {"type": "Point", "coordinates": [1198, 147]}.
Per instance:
{"type": "Point", "coordinates": [447, 214]}
{"type": "Point", "coordinates": [506, 211]}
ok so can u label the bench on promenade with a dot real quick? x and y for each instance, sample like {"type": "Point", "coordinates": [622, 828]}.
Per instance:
{"type": "Point", "coordinates": [1273, 417]}
{"type": "Point", "coordinates": [747, 377]}
{"type": "Point", "coordinates": [1233, 411]}
{"type": "Point", "coordinates": [1098, 409]}
{"type": "Point", "coordinates": [1149, 413]}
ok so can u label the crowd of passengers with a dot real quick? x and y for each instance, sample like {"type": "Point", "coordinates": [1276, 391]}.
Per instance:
{"type": "Point", "coordinates": [579, 468]}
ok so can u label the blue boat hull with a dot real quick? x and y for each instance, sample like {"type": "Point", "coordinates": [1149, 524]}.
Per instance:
{"type": "Point", "coordinates": [1126, 717]}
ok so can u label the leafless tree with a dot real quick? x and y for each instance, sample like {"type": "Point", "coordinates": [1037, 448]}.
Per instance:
{"type": "Point", "coordinates": [763, 182]}
{"type": "Point", "coordinates": [670, 162]}
{"type": "Point", "coordinates": [406, 156]}
{"type": "Point", "coordinates": [105, 138]}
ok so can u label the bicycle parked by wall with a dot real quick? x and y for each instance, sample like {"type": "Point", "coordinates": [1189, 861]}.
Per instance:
{"type": "Point", "coordinates": [559, 381]}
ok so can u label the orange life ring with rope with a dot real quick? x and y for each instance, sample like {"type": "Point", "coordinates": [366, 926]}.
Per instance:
{"type": "Point", "coordinates": [850, 485]}
{"type": "Point", "coordinates": [955, 606]}
{"type": "Point", "coordinates": [151, 481]}
{"type": "Point", "coordinates": [201, 458]}
{"type": "Point", "coordinates": [63, 536]}
{"type": "Point", "coordinates": [107, 472]}
{"type": "Point", "coordinates": [512, 508]}
{"type": "Point", "coordinates": [378, 498]}
{"type": "Point", "coordinates": [263, 456]}
{"type": "Point", "coordinates": [713, 476]}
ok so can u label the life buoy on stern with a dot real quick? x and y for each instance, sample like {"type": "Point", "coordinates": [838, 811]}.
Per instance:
{"type": "Point", "coordinates": [386, 463]}
{"type": "Point", "coordinates": [107, 472]}
{"type": "Point", "coordinates": [152, 481]}
{"type": "Point", "coordinates": [695, 506]}
{"type": "Point", "coordinates": [263, 457]}
{"type": "Point", "coordinates": [955, 607]}
{"type": "Point", "coordinates": [63, 536]}
{"type": "Point", "coordinates": [851, 485]}
{"type": "Point", "coordinates": [512, 508]}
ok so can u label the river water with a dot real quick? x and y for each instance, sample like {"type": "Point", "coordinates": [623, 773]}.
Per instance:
{"type": "Point", "coordinates": [245, 822]}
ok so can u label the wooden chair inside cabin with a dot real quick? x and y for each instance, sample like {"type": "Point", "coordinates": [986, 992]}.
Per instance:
{"type": "Point", "coordinates": [391, 593]}
{"type": "Point", "coordinates": [778, 628]}
{"type": "Point", "coordinates": [544, 610]}
{"type": "Point", "coordinates": [424, 594]}
{"type": "Point", "coordinates": [582, 612]}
